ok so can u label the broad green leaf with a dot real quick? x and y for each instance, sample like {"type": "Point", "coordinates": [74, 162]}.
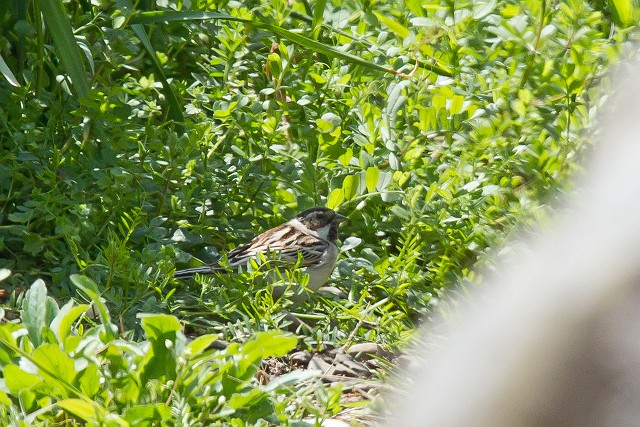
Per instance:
{"type": "Point", "coordinates": [328, 122]}
{"type": "Point", "coordinates": [52, 310]}
{"type": "Point", "coordinates": [350, 243]}
{"type": "Point", "coordinates": [34, 311]}
{"type": "Point", "coordinates": [54, 363]}
{"type": "Point", "coordinates": [415, 6]}
{"type": "Point", "coordinates": [384, 180]}
{"type": "Point", "coordinates": [17, 380]}
{"type": "Point", "coordinates": [199, 344]}
{"type": "Point", "coordinates": [345, 159]}
{"type": "Point", "coordinates": [148, 414]}
{"type": "Point", "coordinates": [275, 65]}
{"type": "Point", "coordinates": [85, 410]}
{"type": "Point", "coordinates": [156, 326]}
{"type": "Point", "coordinates": [8, 344]}
{"type": "Point", "coordinates": [33, 243]}
{"type": "Point", "coordinates": [371, 178]}
{"type": "Point", "coordinates": [65, 318]}
{"type": "Point", "coordinates": [268, 344]}
{"type": "Point", "coordinates": [245, 400]}
{"type": "Point", "coordinates": [162, 332]}
{"type": "Point", "coordinates": [89, 380]}
{"type": "Point", "coordinates": [335, 198]}
{"type": "Point", "coordinates": [23, 215]}
{"type": "Point", "coordinates": [397, 98]}
{"type": "Point", "coordinates": [438, 102]}
{"type": "Point", "coordinates": [317, 78]}
{"type": "Point", "coordinates": [350, 186]}
{"type": "Point", "coordinates": [456, 104]}
{"type": "Point", "coordinates": [482, 9]}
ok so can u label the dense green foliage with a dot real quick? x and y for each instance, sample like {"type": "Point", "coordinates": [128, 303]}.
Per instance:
{"type": "Point", "coordinates": [142, 142]}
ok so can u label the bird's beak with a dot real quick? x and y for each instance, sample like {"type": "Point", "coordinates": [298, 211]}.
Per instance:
{"type": "Point", "coordinates": [339, 218]}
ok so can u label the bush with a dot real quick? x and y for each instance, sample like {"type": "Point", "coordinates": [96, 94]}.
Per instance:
{"type": "Point", "coordinates": [135, 140]}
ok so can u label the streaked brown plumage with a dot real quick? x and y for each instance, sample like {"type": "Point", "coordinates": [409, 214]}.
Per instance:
{"type": "Point", "coordinates": [313, 233]}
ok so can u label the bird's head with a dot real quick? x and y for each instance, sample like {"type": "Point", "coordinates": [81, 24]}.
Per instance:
{"type": "Point", "coordinates": [324, 221]}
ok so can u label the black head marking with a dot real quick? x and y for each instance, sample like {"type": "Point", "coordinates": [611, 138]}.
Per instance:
{"type": "Point", "coordinates": [319, 217]}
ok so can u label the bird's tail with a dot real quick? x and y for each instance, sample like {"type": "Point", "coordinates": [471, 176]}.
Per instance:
{"type": "Point", "coordinates": [191, 272]}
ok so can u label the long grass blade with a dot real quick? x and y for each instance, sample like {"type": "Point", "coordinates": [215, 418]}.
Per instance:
{"type": "Point", "coordinates": [58, 24]}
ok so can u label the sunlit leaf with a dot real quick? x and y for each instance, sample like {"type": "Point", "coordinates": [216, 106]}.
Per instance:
{"type": "Point", "coordinates": [34, 308]}
{"type": "Point", "coordinates": [17, 380]}
{"type": "Point", "coordinates": [350, 186]}
{"type": "Point", "coordinates": [82, 409]}
{"type": "Point", "coordinates": [372, 176]}
{"type": "Point", "coordinates": [7, 73]}
{"type": "Point", "coordinates": [335, 198]}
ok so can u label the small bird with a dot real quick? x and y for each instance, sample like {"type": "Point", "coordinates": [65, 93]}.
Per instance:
{"type": "Point", "coordinates": [312, 233]}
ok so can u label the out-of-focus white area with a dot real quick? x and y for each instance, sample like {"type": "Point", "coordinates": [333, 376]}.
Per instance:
{"type": "Point", "coordinates": [554, 338]}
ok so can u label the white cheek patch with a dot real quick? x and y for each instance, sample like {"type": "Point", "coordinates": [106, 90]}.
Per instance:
{"type": "Point", "coordinates": [323, 232]}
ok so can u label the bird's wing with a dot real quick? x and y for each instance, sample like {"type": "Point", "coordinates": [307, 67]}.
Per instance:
{"type": "Point", "coordinates": [285, 241]}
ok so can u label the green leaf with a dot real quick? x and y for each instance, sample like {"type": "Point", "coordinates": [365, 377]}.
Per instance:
{"type": "Point", "coordinates": [156, 326]}
{"type": "Point", "coordinates": [199, 345]}
{"type": "Point", "coordinates": [243, 400]}
{"type": "Point", "coordinates": [625, 12]}
{"type": "Point", "coordinates": [86, 411]}
{"type": "Point", "coordinates": [17, 380]}
{"type": "Point", "coordinates": [89, 380]}
{"type": "Point", "coordinates": [269, 344]}
{"type": "Point", "coordinates": [9, 347]}
{"type": "Point", "coordinates": [174, 112]}
{"type": "Point", "coordinates": [23, 215]}
{"type": "Point", "coordinates": [54, 364]}
{"type": "Point", "coordinates": [4, 399]}
{"type": "Point", "coordinates": [350, 186]}
{"type": "Point", "coordinates": [33, 243]}
{"type": "Point", "coordinates": [335, 198]}
{"type": "Point", "coordinates": [345, 159]}
{"type": "Point", "coordinates": [68, 314]}
{"type": "Point", "coordinates": [34, 311]}
{"type": "Point", "coordinates": [317, 20]}
{"type": "Point", "coordinates": [397, 28]}
{"type": "Point", "coordinates": [457, 102]}
{"type": "Point", "coordinates": [384, 180]}
{"type": "Point", "coordinates": [90, 288]}
{"type": "Point", "coordinates": [67, 49]}
{"type": "Point", "coordinates": [6, 72]}
{"type": "Point", "coordinates": [162, 331]}
{"type": "Point", "coordinates": [148, 414]}
{"type": "Point", "coordinates": [371, 178]}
